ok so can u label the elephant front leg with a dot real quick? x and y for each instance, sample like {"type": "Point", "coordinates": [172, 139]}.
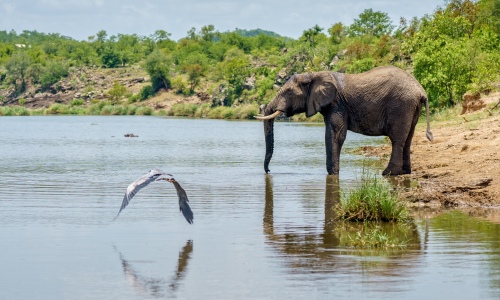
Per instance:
{"type": "Point", "coordinates": [335, 134]}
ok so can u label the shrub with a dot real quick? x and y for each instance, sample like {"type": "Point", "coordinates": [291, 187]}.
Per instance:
{"type": "Point", "coordinates": [202, 111]}
{"type": "Point", "coordinates": [184, 110]}
{"type": "Point", "coordinates": [146, 93]}
{"type": "Point", "coordinates": [14, 111]}
{"type": "Point", "coordinates": [179, 85]}
{"type": "Point", "coordinates": [221, 112]}
{"type": "Point", "coordinates": [52, 73]}
{"type": "Point", "coordinates": [77, 102]}
{"type": "Point", "coordinates": [131, 109]}
{"type": "Point", "coordinates": [58, 109]}
{"type": "Point", "coordinates": [95, 108]}
{"type": "Point", "coordinates": [144, 111]}
{"type": "Point", "coordinates": [117, 92]}
{"type": "Point", "coordinates": [113, 110]}
{"type": "Point", "coordinates": [247, 111]}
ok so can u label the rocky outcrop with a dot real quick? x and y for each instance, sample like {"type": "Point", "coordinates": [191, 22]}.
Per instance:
{"type": "Point", "coordinates": [82, 83]}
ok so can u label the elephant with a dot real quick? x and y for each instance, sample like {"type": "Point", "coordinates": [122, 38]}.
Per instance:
{"type": "Point", "coordinates": [384, 101]}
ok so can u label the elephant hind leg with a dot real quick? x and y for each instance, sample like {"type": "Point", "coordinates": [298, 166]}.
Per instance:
{"type": "Point", "coordinates": [406, 153]}
{"type": "Point", "coordinates": [395, 166]}
{"type": "Point", "coordinates": [407, 147]}
{"type": "Point", "coordinates": [400, 137]}
{"type": "Point", "coordinates": [400, 131]}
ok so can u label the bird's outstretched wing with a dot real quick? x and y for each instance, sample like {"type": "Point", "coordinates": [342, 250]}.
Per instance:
{"type": "Point", "coordinates": [183, 201]}
{"type": "Point", "coordinates": [135, 186]}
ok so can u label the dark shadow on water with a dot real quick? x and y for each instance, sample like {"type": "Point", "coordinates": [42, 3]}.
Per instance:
{"type": "Point", "coordinates": [309, 250]}
{"type": "Point", "coordinates": [157, 287]}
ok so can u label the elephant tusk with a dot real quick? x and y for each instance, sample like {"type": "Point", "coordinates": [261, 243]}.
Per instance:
{"type": "Point", "coordinates": [263, 118]}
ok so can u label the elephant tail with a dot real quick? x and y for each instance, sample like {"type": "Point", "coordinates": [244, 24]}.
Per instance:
{"type": "Point", "coordinates": [428, 132]}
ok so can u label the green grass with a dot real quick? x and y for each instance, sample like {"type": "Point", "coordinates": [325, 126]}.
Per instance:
{"type": "Point", "coordinates": [373, 200]}
{"type": "Point", "coordinates": [183, 110]}
{"type": "Point", "coordinates": [14, 111]}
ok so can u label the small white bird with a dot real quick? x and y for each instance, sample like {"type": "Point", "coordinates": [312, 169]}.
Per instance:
{"type": "Point", "coordinates": [157, 175]}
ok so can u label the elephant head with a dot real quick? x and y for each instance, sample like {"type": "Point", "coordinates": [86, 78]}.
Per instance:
{"type": "Point", "coordinates": [307, 93]}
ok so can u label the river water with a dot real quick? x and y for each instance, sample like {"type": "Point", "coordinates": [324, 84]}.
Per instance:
{"type": "Point", "coordinates": [255, 236]}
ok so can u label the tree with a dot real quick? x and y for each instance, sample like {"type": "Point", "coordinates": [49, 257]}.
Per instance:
{"type": "Point", "coordinates": [310, 35]}
{"type": "Point", "coordinates": [161, 35]}
{"type": "Point", "coordinates": [52, 73]}
{"type": "Point", "coordinates": [371, 22]}
{"type": "Point", "coordinates": [110, 56]}
{"type": "Point", "coordinates": [489, 14]}
{"type": "Point", "coordinates": [444, 69]}
{"type": "Point", "coordinates": [235, 70]}
{"type": "Point", "coordinates": [208, 33]}
{"type": "Point", "coordinates": [99, 41]}
{"type": "Point", "coordinates": [194, 71]}
{"type": "Point", "coordinates": [337, 33]}
{"type": "Point", "coordinates": [455, 50]}
{"type": "Point", "coordinates": [157, 66]}
{"type": "Point", "coordinates": [17, 67]}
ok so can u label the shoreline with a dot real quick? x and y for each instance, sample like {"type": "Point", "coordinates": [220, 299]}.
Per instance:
{"type": "Point", "coordinates": [460, 168]}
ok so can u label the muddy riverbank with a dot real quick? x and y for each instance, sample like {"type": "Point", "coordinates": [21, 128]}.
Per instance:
{"type": "Point", "coordinates": [461, 167]}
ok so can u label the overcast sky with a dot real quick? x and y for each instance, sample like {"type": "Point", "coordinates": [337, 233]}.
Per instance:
{"type": "Point", "coordinates": [80, 19]}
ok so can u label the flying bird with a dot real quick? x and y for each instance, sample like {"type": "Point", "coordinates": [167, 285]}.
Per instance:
{"type": "Point", "coordinates": [157, 175]}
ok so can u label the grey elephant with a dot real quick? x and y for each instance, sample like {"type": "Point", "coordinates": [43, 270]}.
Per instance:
{"type": "Point", "coordinates": [383, 101]}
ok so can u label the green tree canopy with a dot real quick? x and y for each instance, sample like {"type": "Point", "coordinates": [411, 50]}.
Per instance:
{"type": "Point", "coordinates": [157, 66]}
{"type": "Point", "coordinates": [371, 22]}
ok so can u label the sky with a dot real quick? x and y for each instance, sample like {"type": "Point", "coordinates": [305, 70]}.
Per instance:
{"type": "Point", "coordinates": [80, 19]}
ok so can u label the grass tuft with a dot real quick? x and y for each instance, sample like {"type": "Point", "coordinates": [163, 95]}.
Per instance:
{"type": "Point", "coordinates": [373, 200]}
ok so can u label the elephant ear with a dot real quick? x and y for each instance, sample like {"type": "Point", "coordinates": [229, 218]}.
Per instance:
{"type": "Point", "coordinates": [322, 92]}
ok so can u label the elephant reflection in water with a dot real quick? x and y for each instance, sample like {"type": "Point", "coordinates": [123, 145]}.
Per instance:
{"type": "Point", "coordinates": [310, 251]}
{"type": "Point", "coordinates": [157, 287]}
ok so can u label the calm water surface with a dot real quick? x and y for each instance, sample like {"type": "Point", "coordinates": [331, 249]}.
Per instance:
{"type": "Point", "coordinates": [254, 236]}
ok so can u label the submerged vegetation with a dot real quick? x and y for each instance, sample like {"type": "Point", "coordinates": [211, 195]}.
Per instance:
{"type": "Point", "coordinates": [451, 50]}
{"type": "Point", "coordinates": [376, 235]}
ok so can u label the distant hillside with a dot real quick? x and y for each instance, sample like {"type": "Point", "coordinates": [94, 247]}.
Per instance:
{"type": "Point", "coordinates": [256, 32]}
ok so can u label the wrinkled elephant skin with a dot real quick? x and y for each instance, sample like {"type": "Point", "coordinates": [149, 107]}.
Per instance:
{"type": "Point", "coordinates": [385, 101]}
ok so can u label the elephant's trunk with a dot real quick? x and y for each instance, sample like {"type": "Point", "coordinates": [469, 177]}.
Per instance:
{"type": "Point", "coordinates": [269, 134]}
{"type": "Point", "coordinates": [272, 111]}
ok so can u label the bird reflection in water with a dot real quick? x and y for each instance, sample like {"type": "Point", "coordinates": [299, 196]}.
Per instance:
{"type": "Point", "coordinates": [308, 249]}
{"type": "Point", "coordinates": [158, 287]}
